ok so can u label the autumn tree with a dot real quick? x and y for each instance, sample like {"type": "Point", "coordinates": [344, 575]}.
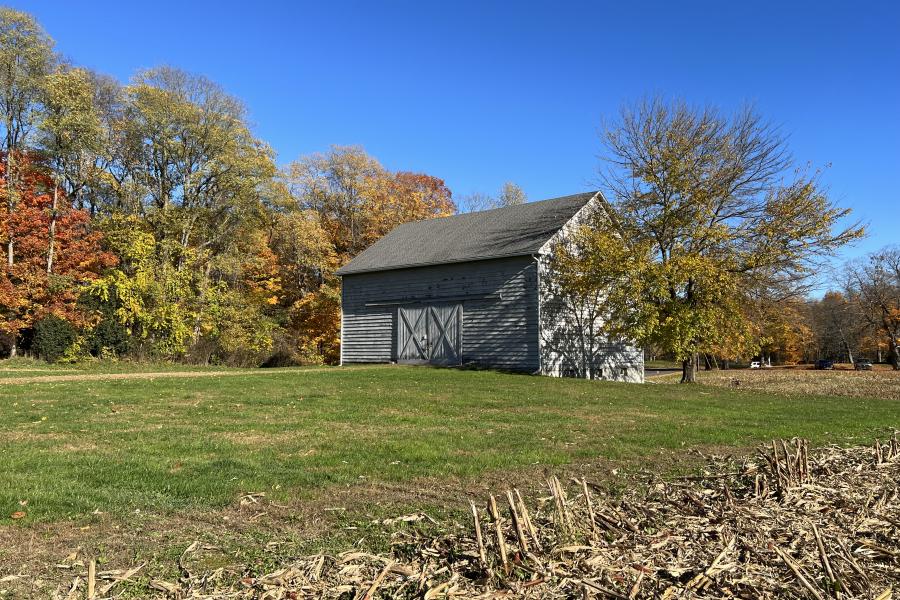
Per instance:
{"type": "Point", "coordinates": [106, 182]}
{"type": "Point", "coordinates": [510, 195]}
{"type": "Point", "coordinates": [402, 197]}
{"type": "Point", "coordinates": [338, 185]}
{"type": "Point", "coordinates": [710, 210]}
{"type": "Point", "coordinates": [184, 163]}
{"type": "Point", "coordinates": [70, 139]}
{"type": "Point", "coordinates": [191, 152]}
{"type": "Point", "coordinates": [837, 326]}
{"type": "Point", "coordinates": [586, 282]}
{"type": "Point", "coordinates": [26, 55]}
{"type": "Point", "coordinates": [28, 291]}
{"type": "Point", "coordinates": [781, 327]}
{"type": "Point", "coordinates": [873, 287]}
{"type": "Point", "coordinates": [339, 202]}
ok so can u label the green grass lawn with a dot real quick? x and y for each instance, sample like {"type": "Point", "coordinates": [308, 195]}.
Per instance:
{"type": "Point", "coordinates": [165, 444]}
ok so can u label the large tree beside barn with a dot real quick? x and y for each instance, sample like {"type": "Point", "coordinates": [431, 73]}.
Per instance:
{"type": "Point", "coordinates": [713, 215]}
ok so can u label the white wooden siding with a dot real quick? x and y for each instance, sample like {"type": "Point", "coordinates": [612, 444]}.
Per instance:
{"type": "Point", "coordinates": [566, 348]}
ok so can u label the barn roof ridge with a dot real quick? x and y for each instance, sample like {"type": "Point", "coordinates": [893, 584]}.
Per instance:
{"type": "Point", "coordinates": [496, 233]}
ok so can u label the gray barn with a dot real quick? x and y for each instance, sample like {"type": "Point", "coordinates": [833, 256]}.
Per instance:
{"type": "Point", "coordinates": [475, 289]}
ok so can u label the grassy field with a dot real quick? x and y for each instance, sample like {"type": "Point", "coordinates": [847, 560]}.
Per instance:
{"type": "Point", "coordinates": [167, 443]}
{"type": "Point", "coordinates": [184, 446]}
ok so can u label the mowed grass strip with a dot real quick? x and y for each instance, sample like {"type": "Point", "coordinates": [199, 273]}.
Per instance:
{"type": "Point", "coordinates": [164, 444]}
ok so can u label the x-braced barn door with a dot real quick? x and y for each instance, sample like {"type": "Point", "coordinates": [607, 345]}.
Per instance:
{"type": "Point", "coordinates": [412, 334]}
{"type": "Point", "coordinates": [430, 334]}
{"type": "Point", "coordinates": [445, 333]}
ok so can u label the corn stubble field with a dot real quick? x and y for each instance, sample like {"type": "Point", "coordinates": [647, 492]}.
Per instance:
{"type": "Point", "coordinates": [130, 481]}
{"type": "Point", "coordinates": [881, 383]}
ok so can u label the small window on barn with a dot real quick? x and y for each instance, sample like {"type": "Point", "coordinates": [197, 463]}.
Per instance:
{"type": "Point", "coordinates": [599, 373]}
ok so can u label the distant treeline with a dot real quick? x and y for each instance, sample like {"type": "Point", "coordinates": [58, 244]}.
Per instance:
{"type": "Point", "coordinates": [859, 319]}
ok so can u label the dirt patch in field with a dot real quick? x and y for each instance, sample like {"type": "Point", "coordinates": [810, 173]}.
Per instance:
{"type": "Point", "coordinates": [259, 439]}
{"type": "Point", "coordinates": [61, 442]}
{"type": "Point", "coordinates": [23, 435]}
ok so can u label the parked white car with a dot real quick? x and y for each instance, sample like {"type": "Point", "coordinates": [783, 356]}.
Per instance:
{"type": "Point", "coordinates": [755, 364]}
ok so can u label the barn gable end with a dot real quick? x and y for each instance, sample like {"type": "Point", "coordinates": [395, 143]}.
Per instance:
{"type": "Point", "coordinates": [570, 345]}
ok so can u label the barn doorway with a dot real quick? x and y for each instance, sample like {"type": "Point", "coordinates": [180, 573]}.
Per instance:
{"type": "Point", "coordinates": [429, 333]}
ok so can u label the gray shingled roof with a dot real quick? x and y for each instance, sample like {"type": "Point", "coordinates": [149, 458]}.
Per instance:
{"type": "Point", "coordinates": [508, 231]}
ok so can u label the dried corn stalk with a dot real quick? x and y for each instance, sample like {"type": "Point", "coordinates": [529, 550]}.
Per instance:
{"type": "Point", "coordinates": [793, 523]}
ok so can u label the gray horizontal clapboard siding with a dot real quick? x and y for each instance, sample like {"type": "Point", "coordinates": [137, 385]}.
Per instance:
{"type": "Point", "coordinates": [499, 304]}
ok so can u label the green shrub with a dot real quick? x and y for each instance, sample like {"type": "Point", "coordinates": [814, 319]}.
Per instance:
{"type": "Point", "coordinates": [109, 338]}
{"type": "Point", "coordinates": [52, 337]}
{"type": "Point", "coordinates": [281, 358]}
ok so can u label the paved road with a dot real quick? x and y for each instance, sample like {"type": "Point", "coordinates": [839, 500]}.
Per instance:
{"type": "Point", "coordinates": [658, 372]}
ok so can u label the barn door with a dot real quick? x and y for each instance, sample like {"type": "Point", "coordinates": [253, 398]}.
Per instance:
{"type": "Point", "coordinates": [445, 333]}
{"type": "Point", "coordinates": [412, 334]}
{"type": "Point", "coordinates": [430, 334]}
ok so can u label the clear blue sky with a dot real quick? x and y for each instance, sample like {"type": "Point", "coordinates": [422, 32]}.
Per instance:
{"type": "Point", "coordinates": [479, 93]}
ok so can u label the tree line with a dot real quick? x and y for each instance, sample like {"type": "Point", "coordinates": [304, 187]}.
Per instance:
{"type": "Point", "coordinates": [860, 319]}
{"type": "Point", "coordinates": [147, 220]}
{"type": "Point", "coordinates": [857, 319]}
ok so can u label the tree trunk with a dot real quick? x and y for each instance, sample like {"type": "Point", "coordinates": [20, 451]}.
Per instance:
{"type": "Point", "coordinates": [10, 193]}
{"type": "Point", "coordinates": [51, 244]}
{"type": "Point", "coordinates": [846, 345]}
{"type": "Point", "coordinates": [689, 370]}
{"type": "Point", "coordinates": [198, 321]}
{"type": "Point", "coordinates": [10, 206]}
{"type": "Point", "coordinates": [895, 355]}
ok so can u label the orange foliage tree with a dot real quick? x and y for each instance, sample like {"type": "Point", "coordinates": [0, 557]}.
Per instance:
{"type": "Point", "coordinates": [784, 331]}
{"type": "Point", "coordinates": [29, 290]}
{"type": "Point", "coordinates": [339, 203]}
{"type": "Point", "coordinates": [403, 197]}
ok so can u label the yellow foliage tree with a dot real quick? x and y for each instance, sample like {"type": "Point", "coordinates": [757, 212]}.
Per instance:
{"type": "Point", "coordinates": [706, 223]}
